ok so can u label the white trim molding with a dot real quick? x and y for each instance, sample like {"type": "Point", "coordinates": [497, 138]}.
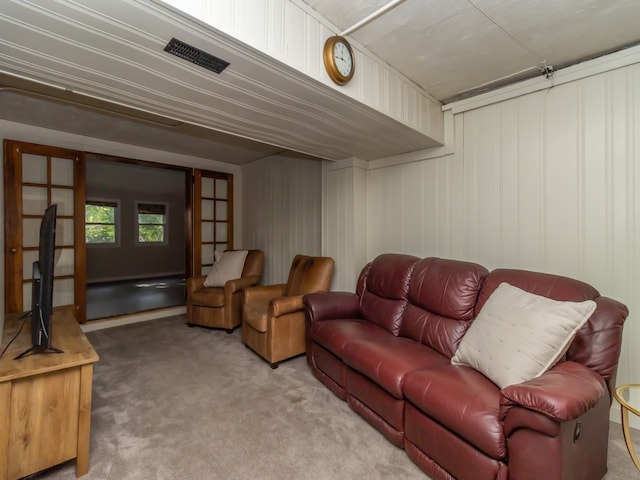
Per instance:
{"type": "Point", "coordinates": [622, 58]}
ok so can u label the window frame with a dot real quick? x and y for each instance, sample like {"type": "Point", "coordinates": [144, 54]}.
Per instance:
{"type": "Point", "coordinates": [165, 236]}
{"type": "Point", "coordinates": [116, 219]}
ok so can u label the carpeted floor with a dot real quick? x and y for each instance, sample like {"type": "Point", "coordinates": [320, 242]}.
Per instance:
{"type": "Point", "coordinates": [177, 403]}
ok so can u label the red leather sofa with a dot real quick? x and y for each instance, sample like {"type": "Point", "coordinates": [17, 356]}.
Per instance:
{"type": "Point", "coordinates": [386, 349]}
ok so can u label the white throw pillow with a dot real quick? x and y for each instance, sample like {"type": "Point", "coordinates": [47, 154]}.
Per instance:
{"type": "Point", "coordinates": [228, 267]}
{"type": "Point", "coordinates": [518, 335]}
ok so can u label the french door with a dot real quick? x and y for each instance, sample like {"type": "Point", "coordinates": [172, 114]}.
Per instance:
{"type": "Point", "coordinates": [35, 177]}
{"type": "Point", "coordinates": [212, 217]}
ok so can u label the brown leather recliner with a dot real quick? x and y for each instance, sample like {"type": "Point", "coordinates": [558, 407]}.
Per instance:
{"type": "Point", "coordinates": [273, 320]}
{"type": "Point", "coordinates": [221, 307]}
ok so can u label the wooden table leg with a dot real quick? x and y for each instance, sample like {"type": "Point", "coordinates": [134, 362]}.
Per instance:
{"type": "Point", "coordinates": [626, 431]}
{"type": "Point", "coordinates": [5, 425]}
{"type": "Point", "coordinates": [84, 420]}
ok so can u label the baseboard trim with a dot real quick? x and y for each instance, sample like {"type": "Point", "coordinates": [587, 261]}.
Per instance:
{"type": "Point", "coordinates": [94, 325]}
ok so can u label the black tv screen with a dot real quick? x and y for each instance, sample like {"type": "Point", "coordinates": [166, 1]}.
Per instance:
{"type": "Point", "coordinates": [42, 286]}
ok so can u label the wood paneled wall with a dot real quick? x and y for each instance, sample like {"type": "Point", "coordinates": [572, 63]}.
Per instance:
{"type": "Point", "coordinates": [293, 33]}
{"type": "Point", "coordinates": [344, 229]}
{"type": "Point", "coordinates": [547, 181]}
{"type": "Point", "coordinates": [283, 211]}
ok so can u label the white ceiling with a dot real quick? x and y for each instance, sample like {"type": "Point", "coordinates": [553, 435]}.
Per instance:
{"type": "Point", "coordinates": [452, 49]}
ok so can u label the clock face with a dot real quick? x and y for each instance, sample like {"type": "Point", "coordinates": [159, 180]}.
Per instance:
{"type": "Point", "coordinates": [342, 58]}
{"type": "Point", "coordinates": [338, 59]}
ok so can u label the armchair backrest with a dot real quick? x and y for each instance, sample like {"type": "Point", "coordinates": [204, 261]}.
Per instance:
{"type": "Point", "coordinates": [309, 275]}
{"type": "Point", "coordinates": [253, 264]}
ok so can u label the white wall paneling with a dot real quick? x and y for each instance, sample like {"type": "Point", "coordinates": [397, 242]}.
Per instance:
{"type": "Point", "coordinates": [284, 213]}
{"type": "Point", "coordinates": [345, 207]}
{"type": "Point", "coordinates": [293, 33]}
{"type": "Point", "coordinates": [275, 90]}
{"type": "Point", "coordinates": [546, 181]}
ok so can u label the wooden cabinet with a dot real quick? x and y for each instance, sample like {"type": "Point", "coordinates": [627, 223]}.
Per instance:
{"type": "Point", "coordinates": [45, 400]}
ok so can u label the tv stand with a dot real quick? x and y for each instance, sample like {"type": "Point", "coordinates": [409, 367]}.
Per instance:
{"type": "Point", "coordinates": [45, 400]}
{"type": "Point", "coordinates": [33, 350]}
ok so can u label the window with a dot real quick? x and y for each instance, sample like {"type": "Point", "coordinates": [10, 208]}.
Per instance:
{"type": "Point", "coordinates": [152, 222]}
{"type": "Point", "coordinates": [100, 219]}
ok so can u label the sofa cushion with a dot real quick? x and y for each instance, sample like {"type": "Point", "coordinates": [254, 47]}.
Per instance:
{"type": "Point", "coordinates": [518, 336]}
{"type": "Point", "coordinates": [384, 293]}
{"type": "Point", "coordinates": [442, 297]}
{"type": "Point", "coordinates": [228, 267]}
{"type": "Point", "coordinates": [462, 400]}
{"type": "Point", "coordinates": [387, 360]}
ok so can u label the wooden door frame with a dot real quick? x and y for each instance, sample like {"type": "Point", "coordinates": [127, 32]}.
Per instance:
{"type": "Point", "coordinates": [13, 222]}
{"type": "Point", "coordinates": [198, 175]}
{"type": "Point", "coordinates": [13, 216]}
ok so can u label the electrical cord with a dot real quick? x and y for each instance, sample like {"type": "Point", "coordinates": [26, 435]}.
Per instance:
{"type": "Point", "coordinates": [24, 320]}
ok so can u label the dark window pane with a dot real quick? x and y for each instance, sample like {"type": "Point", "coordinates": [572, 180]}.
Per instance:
{"type": "Point", "coordinates": [154, 209]}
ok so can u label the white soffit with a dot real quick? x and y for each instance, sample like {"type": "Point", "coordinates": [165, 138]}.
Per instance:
{"type": "Point", "coordinates": [113, 51]}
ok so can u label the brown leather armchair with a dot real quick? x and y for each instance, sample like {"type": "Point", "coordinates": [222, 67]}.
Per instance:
{"type": "Point", "coordinates": [273, 315]}
{"type": "Point", "coordinates": [221, 307]}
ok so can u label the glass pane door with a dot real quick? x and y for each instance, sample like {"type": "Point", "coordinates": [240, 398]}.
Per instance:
{"type": "Point", "coordinates": [213, 217]}
{"type": "Point", "coordinates": [37, 176]}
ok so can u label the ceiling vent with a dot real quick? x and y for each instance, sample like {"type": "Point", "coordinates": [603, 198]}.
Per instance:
{"type": "Point", "coordinates": [194, 55]}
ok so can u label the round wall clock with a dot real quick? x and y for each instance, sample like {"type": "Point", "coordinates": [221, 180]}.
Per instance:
{"type": "Point", "coordinates": [338, 59]}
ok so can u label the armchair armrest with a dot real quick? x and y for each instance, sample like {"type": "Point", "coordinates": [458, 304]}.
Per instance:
{"type": "Point", "coordinates": [327, 305]}
{"type": "Point", "coordinates": [238, 284]}
{"type": "Point", "coordinates": [263, 293]}
{"type": "Point", "coordinates": [195, 283]}
{"type": "Point", "coordinates": [283, 305]}
{"type": "Point", "coordinates": [564, 393]}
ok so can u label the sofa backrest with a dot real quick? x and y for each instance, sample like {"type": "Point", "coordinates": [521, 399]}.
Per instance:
{"type": "Point", "coordinates": [442, 298]}
{"type": "Point", "coordinates": [598, 343]}
{"type": "Point", "coordinates": [383, 286]}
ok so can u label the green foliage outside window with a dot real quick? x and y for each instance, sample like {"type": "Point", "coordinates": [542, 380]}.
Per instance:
{"type": "Point", "coordinates": [100, 222]}
{"type": "Point", "coordinates": [151, 223]}
{"type": "Point", "coordinates": [151, 233]}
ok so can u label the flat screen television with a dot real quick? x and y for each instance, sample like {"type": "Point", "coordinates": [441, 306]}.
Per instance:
{"type": "Point", "coordinates": [42, 287]}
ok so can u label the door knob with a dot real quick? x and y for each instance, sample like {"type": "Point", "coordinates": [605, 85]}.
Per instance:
{"type": "Point", "coordinates": [13, 250]}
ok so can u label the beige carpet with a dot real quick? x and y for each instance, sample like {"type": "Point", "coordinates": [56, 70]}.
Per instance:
{"type": "Point", "coordinates": [177, 403]}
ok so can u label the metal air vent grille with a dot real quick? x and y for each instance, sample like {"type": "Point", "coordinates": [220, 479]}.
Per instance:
{"type": "Point", "coordinates": [195, 55]}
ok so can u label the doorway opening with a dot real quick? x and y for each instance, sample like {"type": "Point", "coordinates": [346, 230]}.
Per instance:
{"type": "Point", "coordinates": [136, 234]}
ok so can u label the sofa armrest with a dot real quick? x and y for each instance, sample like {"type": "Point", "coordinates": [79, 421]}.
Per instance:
{"type": "Point", "coordinates": [564, 393]}
{"type": "Point", "coordinates": [327, 305]}
{"type": "Point", "coordinates": [283, 305]}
